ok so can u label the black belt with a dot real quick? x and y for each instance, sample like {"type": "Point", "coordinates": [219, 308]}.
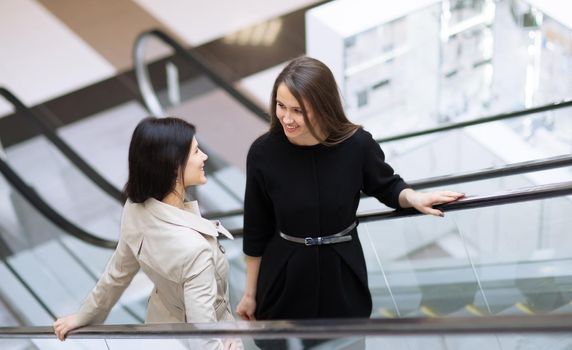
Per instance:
{"type": "Point", "coordinates": [331, 239]}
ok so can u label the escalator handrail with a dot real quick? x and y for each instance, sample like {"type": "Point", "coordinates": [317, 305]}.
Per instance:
{"type": "Point", "coordinates": [477, 121]}
{"type": "Point", "coordinates": [471, 202]}
{"type": "Point", "coordinates": [48, 131]}
{"type": "Point", "coordinates": [494, 172]}
{"type": "Point", "coordinates": [480, 201]}
{"type": "Point", "coordinates": [47, 211]}
{"type": "Point", "coordinates": [325, 329]}
{"type": "Point", "coordinates": [450, 179]}
{"type": "Point", "coordinates": [197, 62]}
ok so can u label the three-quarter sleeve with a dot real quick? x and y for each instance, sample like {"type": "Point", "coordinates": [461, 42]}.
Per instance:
{"type": "Point", "coordinates": [117, 275]}
{"type": "Point", "coordinates": [379, 178]}
{"type": "Point", "coordinates": [259, 221]}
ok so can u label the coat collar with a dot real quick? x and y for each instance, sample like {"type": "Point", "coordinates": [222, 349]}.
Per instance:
{"type": "Point", "coordinates": [189, 217]}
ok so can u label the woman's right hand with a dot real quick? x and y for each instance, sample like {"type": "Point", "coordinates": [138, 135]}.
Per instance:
{"type": "Point", "coordinates": [65, 324]}
{"type": "Point", "coordinates": [245, 308]}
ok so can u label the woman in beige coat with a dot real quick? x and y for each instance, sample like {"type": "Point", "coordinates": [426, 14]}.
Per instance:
{"type": "Point", "coordinates": [164, 236]}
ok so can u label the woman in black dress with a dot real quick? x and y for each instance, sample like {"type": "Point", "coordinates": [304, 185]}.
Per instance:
{"type": "Point", "coordinates": [304, 179]}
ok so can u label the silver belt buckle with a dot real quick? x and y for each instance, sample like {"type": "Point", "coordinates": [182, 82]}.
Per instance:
{"type": "Point", "coordinates": [310, 241]}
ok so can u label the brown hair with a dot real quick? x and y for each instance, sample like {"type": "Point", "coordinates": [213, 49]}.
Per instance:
{"type": "Point", "coordinates": [313, 85]}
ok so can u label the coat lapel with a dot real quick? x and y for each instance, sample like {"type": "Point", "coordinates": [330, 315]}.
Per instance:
{"type": "Point", "coordinates": [189, 217]}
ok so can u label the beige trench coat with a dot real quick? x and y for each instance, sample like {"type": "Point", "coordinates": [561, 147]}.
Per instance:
{"type": "Point", "coordinates": [179, 251]}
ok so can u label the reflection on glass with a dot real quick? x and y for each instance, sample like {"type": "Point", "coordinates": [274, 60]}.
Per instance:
{"type": "Point", "coordinates": [503, 260]}
{"type": "Point", "coordinates": [411, 267]}
{"type": "Point", "coordinates": [519, 255]}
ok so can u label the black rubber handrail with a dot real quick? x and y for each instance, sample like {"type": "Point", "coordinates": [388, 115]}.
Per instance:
{"type": "Point", "coordinates": [48, 212]}
{"type": "Point", "coordinates": [481, 201]}
{"type": "Point", "coordinates": [495, 172]}
{"type": "Point", "coordinates": [48, 131]}
{"type": "Point", "coordinates": [477, 121]}
{"type": "Point", "coordinates": [471, 202]}
{"type": "Point", "coordinates": [323, 329]}
{"type": "Point", "coordinates": [483, 174]}
{"type": "Point", "coordinates": [199, 63]}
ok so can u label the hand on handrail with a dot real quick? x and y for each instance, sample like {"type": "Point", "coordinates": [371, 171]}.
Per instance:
{"type": "Point", "coordinates": [63, 325]}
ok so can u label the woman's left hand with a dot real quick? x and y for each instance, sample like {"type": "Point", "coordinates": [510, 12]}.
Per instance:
{"type": "Point", "coordinates": [424, 201]}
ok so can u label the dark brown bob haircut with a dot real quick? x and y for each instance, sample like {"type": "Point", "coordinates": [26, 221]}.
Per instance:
{"type": "Point", "coordinates": [313, 85]}
{"type": "Point", "coordinates": [158, 153]}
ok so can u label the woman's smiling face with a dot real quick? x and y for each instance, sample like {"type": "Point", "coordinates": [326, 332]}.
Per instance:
{"type": "Point", "coordinates": [290, 115]}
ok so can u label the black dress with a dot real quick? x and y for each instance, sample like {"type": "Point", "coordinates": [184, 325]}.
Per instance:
{"type": "Point", "coordinates": [312, 191]}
